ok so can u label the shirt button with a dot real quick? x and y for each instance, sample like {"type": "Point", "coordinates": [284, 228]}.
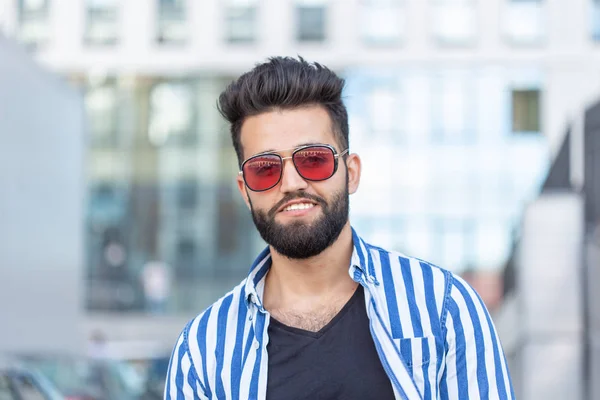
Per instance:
{"type": "Point", "coordinates": [256, 345]}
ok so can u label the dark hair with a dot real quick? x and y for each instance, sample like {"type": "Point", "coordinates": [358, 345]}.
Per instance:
{"type": "Point", "coordinates": [284, 83]}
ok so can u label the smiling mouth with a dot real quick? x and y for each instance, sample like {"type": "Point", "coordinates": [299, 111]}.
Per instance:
{"type": "Point", "coordinates": [298, 206]}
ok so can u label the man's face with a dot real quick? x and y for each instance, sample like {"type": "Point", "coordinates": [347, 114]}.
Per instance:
{"type": "Point", "coordinates": [298, 218]}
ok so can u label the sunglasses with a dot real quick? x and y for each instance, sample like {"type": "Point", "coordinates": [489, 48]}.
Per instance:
{"type": "Point", "coordinates": [313, 163]}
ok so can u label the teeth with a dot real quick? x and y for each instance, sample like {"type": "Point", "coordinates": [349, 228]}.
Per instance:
{"type": "Point", "coordinates": [299, 206]}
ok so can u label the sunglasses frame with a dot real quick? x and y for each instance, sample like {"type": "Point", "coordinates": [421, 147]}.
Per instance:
{"type": "Point", "coordinates": [336, 156]}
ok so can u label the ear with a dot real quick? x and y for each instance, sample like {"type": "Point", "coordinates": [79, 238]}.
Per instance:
{"type": "Point", "coordinates": [354, 166]}
{"type": "Point", "coordinates": [243, 191]}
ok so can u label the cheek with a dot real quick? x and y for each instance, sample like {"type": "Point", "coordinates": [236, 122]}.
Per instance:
{"type": "Point", "coordinates": [332, 185]}
{"type": "Point", "coordinates": [261, 201]}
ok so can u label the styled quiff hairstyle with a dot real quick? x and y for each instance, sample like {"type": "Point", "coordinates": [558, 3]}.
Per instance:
{"type": "Point", "coordinates": [284, 83]}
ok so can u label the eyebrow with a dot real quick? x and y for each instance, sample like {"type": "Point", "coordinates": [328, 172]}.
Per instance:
{"type": "Point", "coordinates": [291, 148]}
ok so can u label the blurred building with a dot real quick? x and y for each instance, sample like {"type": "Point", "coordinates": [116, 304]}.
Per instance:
{"type": "Point", "coordinates": [456, 106]}
{"type": "Point", "coordinates": [550, 319]}
{"type": "Point", "coordinates": [41, 207]}
{"type": "Point", "coordinates": [591, 256]}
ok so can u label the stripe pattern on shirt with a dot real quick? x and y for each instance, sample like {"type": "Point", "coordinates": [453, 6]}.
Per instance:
{"type": "Point", "coordinates": [433, 333]}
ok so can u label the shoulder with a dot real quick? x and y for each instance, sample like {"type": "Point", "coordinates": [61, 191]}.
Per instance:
{"type": "Point", "coordinates": [201, 333]}
{"type": "Point", "coordinates": [420, 284]}
{"type": "Point", "coordinates": [201, 346]}
{"type": "Point", "coordinates": [465, 305]}
{"type": "Point", "coordinates": [412, 271]}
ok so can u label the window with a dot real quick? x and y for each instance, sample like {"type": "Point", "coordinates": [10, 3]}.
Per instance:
{"type": "Point", "coordinates": [102, 22]}
{"type": "Point", "coordinates": [455, 117]}
{"type": "Point", "coordinates": [383, 108]}
{"type": "Point", "coordinates": [455, 242]}
{"type": "Point", "coordinates": [523, 21]}
{"type": "Point", "coordinates": [420, 238]}
{"type": "Point", "coordinates": [492, 243]}
{"type": "Point", "coordinates": [526, 111]}
{"type": "Point", "coordinates": [383, 21]}
{"type": "Point", "coordinates": [33, 21]}
{"type": "Point", "coordinates": [310, 20]}
{"type": "Point", "coordinates": [187, 257]}
{"type": "Point", "coordinates": [171, 114]}
{"type": "Point", "coordinates": [163, 194]}
{"type": "Point", "coordinates": [187, 195]}
{"type": "Point", "coordinates": [101, 107]}
{"type": "Point", "coordinates": [241, 21]}
{"type": "Point", "coordinates": [172, 23]}
{"type": "Point", "coordinates": [595, 22]}
{"type": "Point", "coordinates": [417, 110]}
{"type": "Point", "coordinates": [452, 185]}
{"type": "Point", "coordinates": [454, 22]}
{"type": "Point", "coordinates": [228, 239]}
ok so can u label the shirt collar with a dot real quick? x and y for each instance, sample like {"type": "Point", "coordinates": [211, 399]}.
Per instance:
{"type": "Point", "coordinates": [361, 270]}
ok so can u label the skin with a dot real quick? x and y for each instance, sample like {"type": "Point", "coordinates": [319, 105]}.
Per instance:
{"type": "Point", "coordinates": [306, 293]}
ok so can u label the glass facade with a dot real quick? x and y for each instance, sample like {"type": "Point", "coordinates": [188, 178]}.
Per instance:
{"type": "Point", "coordinates": [454, 22]}
{"type": "Point", "coordinates": [383, 22]}
{"type": "Point", "coordinates": [526, 111]}
{"type": "Point", "coordinates": [171, 22]}
{"type": "Point", "coordinates": [33, 22]}
{"type": "Point", "coordinates": [383, 106]}
{"type": "Point", "coordinates": [454, 107]}
{"type": "Point", "coordinates": [241, 21]}
{"type": "Point", "coordinates": [441, 134]}
{"type": "Point", "coordinates": [311, 20]}
{"type": "Point", "coordinates": [102, 22]}
{"type": "Point", "coordinates": [524, 22]}
{"type": "Point", "coordinates": [595, 19]}
{"type": "Point", "coordinates": [166, 229]}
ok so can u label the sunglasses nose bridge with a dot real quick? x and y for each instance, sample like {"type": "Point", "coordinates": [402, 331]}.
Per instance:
{"type": "Point", "coordinates": [283, 163]}
{"type": "Point", "coordinates": [291, 180]}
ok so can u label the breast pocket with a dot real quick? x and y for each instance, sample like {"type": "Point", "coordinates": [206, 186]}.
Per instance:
{"type": "Point", "coordinates": [420, 356]}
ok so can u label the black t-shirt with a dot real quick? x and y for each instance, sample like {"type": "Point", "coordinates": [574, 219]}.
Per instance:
{"type": "Point", "coordinates": [338, 362]}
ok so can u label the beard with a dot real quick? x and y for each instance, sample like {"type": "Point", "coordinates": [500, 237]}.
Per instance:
{"type": "Point", "coordinates": [301, 240]}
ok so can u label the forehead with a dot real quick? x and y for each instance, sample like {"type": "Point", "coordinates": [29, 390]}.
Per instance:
{"type": "Point", "coordinates": [286, 129]}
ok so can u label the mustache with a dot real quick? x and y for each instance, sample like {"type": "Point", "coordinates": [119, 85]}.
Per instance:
{"type": "Point", "coordinates": [296, 196]}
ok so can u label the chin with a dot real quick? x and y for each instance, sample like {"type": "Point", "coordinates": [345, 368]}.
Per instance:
{"type": "Point", "coordinates": [291, 220]}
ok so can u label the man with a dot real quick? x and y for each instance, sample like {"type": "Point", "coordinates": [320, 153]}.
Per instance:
{"type": "Point", "coordinates": [322, 314]}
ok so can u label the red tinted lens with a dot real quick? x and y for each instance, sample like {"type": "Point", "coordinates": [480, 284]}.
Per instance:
{"type": "Point", "coordinates": [315, 163]}
{"type": "Point", "coordinates": [262, 172]}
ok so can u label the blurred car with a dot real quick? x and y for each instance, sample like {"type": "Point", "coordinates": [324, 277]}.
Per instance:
{"type": "Point", "coordinates": [17, 382]}
{"type": "Point", "coordinates": [90, 379]}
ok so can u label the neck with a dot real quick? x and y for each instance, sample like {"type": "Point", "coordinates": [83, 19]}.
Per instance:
{"type": "Point", "coordinates": [324, 275]}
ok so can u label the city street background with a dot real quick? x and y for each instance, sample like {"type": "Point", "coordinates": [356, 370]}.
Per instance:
{"type": "Point", "coordinates": [478, 124]}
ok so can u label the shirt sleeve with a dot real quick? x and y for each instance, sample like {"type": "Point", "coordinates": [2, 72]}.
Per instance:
{"type": "Point", "coordinates": [475, 366]}
{"type": "Point", "coordinates": [182, 382]}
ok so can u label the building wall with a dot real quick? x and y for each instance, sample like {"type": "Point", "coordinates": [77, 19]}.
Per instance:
{"type": "Point", "coordinates": [494, 46]}
{"type": "Point", "coordinates": [541, 324]}
{"type": "Point", "coordinates": [41, 207]}
{"type": "Point", "coordinates": [564, 46]}
{"type": "Point", "coordinates": [592, 312]}
{"type": "Point", "coordinates": [446, 174]}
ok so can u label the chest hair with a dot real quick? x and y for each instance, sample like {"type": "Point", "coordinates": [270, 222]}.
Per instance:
{"type": "Point", "coordinates": [313, 320]}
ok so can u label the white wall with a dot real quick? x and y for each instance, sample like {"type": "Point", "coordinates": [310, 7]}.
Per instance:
{"type": "Point", "coordinates": [41, 207]}
{"type": "Point", "coordinates": [592, 255]}
{"type": "Point", "coordinates": [541, 326]}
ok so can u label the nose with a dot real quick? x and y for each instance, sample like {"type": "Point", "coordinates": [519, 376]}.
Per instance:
{"type": "Point", "coordinates": [291, 181]}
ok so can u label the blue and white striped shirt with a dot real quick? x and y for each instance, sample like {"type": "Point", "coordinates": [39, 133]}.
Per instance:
{"type": "Point", "coordinates": [431, 330]}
